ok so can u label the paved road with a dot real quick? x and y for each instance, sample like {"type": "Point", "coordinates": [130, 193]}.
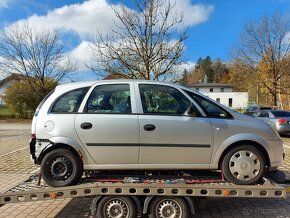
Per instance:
{"type": "Point", "coordinates": [15, 166]}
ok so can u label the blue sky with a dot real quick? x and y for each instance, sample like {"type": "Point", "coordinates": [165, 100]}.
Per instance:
{"type": "Point", "coordinates": [213, 26]}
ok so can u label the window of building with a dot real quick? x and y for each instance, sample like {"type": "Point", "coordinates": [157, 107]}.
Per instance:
{"type": "Point", "coordinates": [222, 89]}
{"type": "Point", "coordinates": [230, 102]}
{"type": "Point", "coordinates": [210, 89]}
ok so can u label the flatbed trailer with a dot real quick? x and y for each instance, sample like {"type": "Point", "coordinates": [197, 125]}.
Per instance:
{"type": "Point", "coordinates": [115, 198]}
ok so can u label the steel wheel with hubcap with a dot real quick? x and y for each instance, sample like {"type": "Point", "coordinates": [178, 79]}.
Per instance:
{"type": "Point", "coordinates": [116, 207]}
{"type": "Point", "coordinates": [243, 165]}
{"type": "Point", "coordinates": [168, 207]}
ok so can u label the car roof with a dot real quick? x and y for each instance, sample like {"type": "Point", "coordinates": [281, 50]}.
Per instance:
{"type": "Point", "coordinates": [90, 83]}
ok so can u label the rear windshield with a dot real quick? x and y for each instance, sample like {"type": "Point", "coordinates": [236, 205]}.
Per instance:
{"type": "Point", "coordinates": [281, 113]}
{"type": "Point", "coordinates": [42, 102]}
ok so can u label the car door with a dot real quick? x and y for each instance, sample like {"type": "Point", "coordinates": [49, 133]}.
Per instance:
{"type": "Point", "coordinates": [167, 134]}
{"type": "Point", "coordinates": [107, 127]}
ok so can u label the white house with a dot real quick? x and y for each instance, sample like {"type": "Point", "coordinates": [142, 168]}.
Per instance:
{"type": "Point", "coordinates": [5, 83]}
{"type": "Point", "coordinates": [223, 93]}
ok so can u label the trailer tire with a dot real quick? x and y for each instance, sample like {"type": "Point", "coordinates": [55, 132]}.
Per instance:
{"type": "Point", "coordinates": [246, 162]}
{"type": "Point", "coordinates": [61, 167]}
{"type": "Point", "coordinates": [163, 207]}
{"type": "Point", "coordinates": [116, 206]}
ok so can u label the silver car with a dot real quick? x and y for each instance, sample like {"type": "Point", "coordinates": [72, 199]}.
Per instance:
{"type": "Point", "coordinates": [146, 125]}
{"type": "Point", "coordinates": [279, 119]}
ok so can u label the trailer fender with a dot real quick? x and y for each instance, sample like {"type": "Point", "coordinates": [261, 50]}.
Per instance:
{"type": "Point", "coordinates": [95, 203]}
{"type": "Point", "coordinates": [191, 205]}
{"type": "Point", "coordinates": [146, 203]}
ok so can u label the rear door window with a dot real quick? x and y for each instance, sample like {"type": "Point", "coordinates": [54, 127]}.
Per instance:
{"type": "Point", "coordinates": [110, 99]}
{"type": "Point", "coordinates": [162, 100]}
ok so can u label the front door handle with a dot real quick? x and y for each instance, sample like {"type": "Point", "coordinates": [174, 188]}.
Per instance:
{"type": "Point", "coordinates": [86, 125]}
{"type": "Point", "coordinates": [149, 127]}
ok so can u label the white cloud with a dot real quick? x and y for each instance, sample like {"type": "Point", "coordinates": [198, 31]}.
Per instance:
{"type": "Point", "coordinates": [81, 54]}
{"type": "Point", "coordinates": [193, 14]}
{"type": "Point", "coordinates": [83, 18]}
{"type": "Point", "coordinates": [4, 3]}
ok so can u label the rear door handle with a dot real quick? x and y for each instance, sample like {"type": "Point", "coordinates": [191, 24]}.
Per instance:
{"type": "Point", "coordinates": [86, 125]}
{"type": "Point", "coordinates": [149, 127]}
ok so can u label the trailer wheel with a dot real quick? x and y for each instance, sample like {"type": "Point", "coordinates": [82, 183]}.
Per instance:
{"type": "Point", "coordinates": [168, 207]}
{"type": "Point", "coordinates": [116, 207]}
{"type": "Point", "coordinates": [243, 165]}
{"type": "Point", "coordinates": [61, 167]}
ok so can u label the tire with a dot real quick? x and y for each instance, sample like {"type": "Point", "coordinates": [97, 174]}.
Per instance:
{"type": "Point", "coordinates": [61, 167]}
{"type": "Point", "coordinates": [116, 207]}
{"type": "Point", "coordinates": [243, 165]}
{"type": "Point", "coordinates": [168, 207]}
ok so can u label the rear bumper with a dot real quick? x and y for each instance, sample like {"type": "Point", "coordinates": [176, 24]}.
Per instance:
{"type": "Point", "coordinates": [37, 146]}
{"type": "Point", "coordinates": [32, 150]}
{"type": "Point", "coordinates": [283, 128]}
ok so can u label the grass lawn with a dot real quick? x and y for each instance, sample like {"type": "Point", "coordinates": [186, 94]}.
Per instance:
{"type": "Point", "coordinates": [5, 113]}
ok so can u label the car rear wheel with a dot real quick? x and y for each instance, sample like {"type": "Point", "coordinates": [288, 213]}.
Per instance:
{"type": "Point", "coordinates": [61, 167]}
{"type": "Point", "coordinates": [243, 165]}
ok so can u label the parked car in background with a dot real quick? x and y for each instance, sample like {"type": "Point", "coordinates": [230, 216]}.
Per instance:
{"type": "Point", "coordinates": [253, 109]}
{"type": "Point", "coordinates": [146, 125]}
{"type": "Point", "coordinates": [279, 119]}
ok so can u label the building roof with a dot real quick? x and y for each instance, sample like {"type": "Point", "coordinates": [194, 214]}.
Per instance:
{"type": "Point", "coordinates": [200, 85]}
{"type": "Point", "coordinates": [12, 77]}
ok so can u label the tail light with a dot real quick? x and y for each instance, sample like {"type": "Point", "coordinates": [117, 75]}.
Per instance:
{"type": "Point", "coordinates": [281, 121]}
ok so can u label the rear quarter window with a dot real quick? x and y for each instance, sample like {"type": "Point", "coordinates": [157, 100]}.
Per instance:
{"type": "Point", "coordinates": [281, 113]}
{"type": "Point", "coordinates": [70, 101]}
{"type": "Point", "coordinates": [42, 102]}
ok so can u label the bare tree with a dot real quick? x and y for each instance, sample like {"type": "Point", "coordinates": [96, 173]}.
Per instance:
{"type": "Point", "coordinates": [265, 43]}
{"type": "Point", "coordinates": [143, 43]}
{"type": "Point", "coordinates": [35, 54]}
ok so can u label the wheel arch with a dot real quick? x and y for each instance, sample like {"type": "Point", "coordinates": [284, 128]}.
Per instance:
{"type": "Point", "coordinates": [246, 142]}
{"type": "Point", "coordinates": [55, 146]}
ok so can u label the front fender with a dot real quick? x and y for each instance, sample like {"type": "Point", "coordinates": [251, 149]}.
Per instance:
{"type": "Point", "coordinates": [235, 139]}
